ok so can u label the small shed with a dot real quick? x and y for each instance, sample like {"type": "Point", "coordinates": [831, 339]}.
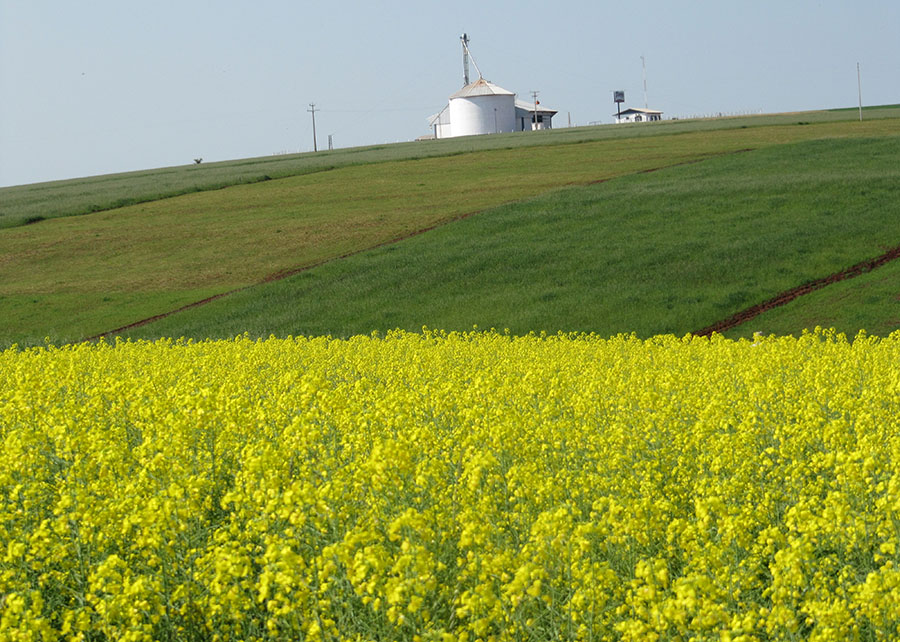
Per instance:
{"type": "Point", "coordinates": [636, 115]}
{"type": "Point", "coordinates": [440, 123]}
{"type": "Point", "coordinates": [527, 117]}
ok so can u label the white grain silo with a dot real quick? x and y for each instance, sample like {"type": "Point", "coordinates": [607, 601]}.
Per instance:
{"type": "Point", "coordinates": [482, 107]}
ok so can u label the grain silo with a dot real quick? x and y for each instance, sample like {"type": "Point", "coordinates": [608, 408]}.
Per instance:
{"type": "Point", "coordinates": [482, 107]}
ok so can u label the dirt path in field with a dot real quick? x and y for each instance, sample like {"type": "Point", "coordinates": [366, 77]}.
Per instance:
{"type": "Point", "coordinates": [789, 295]}
{"type": "Point", "coordinates": [283, 274]}
{"type": "Point", "coordinates": [720, 326]}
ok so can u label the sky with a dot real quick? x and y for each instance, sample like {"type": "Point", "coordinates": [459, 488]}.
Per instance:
{"type": "Point", "coordinates": [109, 86]}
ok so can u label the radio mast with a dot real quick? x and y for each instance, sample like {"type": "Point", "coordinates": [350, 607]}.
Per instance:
{"type": "Point", "coordinates": [644, 73]}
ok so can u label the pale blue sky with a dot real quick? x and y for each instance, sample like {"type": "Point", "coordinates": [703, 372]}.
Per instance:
{"type": "Point", "coordinates": [104, 86]}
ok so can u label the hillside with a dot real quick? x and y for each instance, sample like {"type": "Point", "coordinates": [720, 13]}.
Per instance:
{"type": "Point", "coordinates": [81, 275]}
{"type": "Point", "coordinates": [667, 252]}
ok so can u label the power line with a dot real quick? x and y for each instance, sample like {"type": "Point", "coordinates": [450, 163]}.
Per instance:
{"type": "Point", "coordinates": [374, 110]}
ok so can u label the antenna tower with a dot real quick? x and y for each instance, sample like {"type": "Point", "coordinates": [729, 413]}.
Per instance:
{"type": "Point", "coordinates": [644, 73]}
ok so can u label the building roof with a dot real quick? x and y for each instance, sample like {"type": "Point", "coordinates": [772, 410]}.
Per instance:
{"type": "Point", "coordinates": [637, 110]}
{"type": "Point", "coordinates": [481, 87]}
{"type": "Point", "coordinates": [437, 117]}
{"type": "Point", "coordinates": [529, 107]}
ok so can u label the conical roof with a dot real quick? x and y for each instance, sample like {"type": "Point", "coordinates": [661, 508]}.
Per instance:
{"type": "Point", "coordinates": [481, 87]}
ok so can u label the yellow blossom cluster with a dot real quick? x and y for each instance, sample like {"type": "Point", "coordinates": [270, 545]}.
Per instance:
{"type": "Point", "coordinates": [452, 487]}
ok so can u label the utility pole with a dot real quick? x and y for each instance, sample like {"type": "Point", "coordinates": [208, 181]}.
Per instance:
{"type": "Point", "coordinates": [534, 95]}
{"type": "Point", "coordinates": [312, 109]}
{"type": "Point", "coordinates": [859, 89]}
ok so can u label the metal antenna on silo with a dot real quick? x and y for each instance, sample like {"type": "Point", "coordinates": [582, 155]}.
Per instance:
{"type": "Point", "coordinates": [465, 46]}
{"type": "Point", "coordinates": [467, 55]}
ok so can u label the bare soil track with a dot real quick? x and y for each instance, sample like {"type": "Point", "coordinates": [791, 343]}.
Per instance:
{"type": "Point", "coordinates": [282, 274]}
{"type": "Point", "coordinates": [718, 327]}
{"type": "Point", "coordinates": [277, 276]}
{"type": "Point", "coordinates": [789, 295]}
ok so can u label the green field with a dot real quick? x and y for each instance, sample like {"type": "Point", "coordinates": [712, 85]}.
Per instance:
{"type": "Point", "coordinates": [563, 230]}
{"type": "Point", "coordinates": [672, 251]}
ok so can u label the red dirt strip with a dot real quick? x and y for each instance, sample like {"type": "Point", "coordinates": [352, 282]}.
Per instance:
{"type": "Point", "coordinates": [719, 326]}
{"type": "Point", "coordinates": [277, 276]}
{"type": "Point", "coordinates": [283, 274]}
{"type": "Point", "coordinates": [789, 295]}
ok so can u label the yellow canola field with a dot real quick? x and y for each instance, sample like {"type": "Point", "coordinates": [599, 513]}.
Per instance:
{"type": "Point", "coordinates": [433, 486]}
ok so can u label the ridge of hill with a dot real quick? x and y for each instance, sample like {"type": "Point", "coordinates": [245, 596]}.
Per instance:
{"type": "Point", "coordinates": [27, 204]}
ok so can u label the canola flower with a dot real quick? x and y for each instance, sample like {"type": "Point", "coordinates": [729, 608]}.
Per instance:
{"type": "Point", "coordinates": [452, 487]}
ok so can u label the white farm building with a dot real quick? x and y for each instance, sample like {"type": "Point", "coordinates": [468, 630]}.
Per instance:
{"type": "Point", "coordinates": [635, 115]}
{"type": "Point", "coordinates": [481, 107]}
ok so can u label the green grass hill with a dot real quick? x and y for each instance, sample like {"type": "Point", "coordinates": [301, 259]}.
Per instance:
{"type": "Point", "coordinates": [666, 227]}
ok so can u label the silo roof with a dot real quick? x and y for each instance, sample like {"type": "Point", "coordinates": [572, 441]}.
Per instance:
{"type": "Point", "coordinates": [481, 87]}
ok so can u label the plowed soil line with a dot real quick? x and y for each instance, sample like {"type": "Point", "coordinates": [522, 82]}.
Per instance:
{"type": "Point", "coordinates": [277, 276]}
{"type": "Point", "coordinates": [283, 274]}
{"type": "Point", "coordinates": [720, 326]}
{"type": "Point", "coordinates": [785, 297]}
